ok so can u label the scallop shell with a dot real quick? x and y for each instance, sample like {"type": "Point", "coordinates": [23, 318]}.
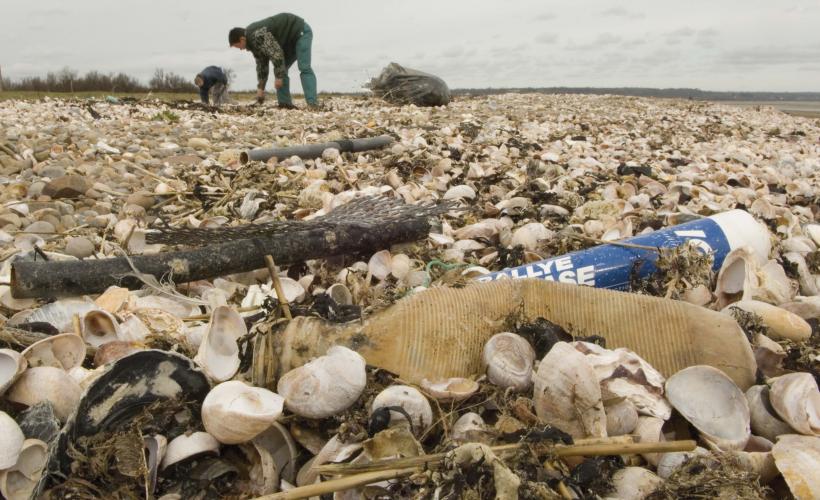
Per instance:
{"type": "Point", "coordinates": [12, 364]}
{"type": "Point", "coordinates": [218, 354]}
{"type": "Point", "coordinates": [411, 400]}
{"type": "Point", "coordinates": [325, 386]}
{"type": "Point", "coordinates": [796, 399]}
{"type": "Point", "coordinates": [798, 459]}
{"type": "Point", "coordinates": [184, 447]}
{"type": "Point", "coordinates": [11, 441]}
{"type": "Point", "coordinates": [710, 401]}
{"type": "Point", "coordinates": [509, 359]}
{"type": "Point", "coordinates": [234, 412]}
{"type": "Point", "coordinates": [567, 394]}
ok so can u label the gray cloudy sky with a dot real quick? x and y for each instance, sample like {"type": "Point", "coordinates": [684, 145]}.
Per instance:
{"type": "Point", "coordinates": [710, 44]}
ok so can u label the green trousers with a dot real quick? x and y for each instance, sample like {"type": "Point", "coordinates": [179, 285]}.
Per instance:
{"type": "Point", "coordinates": [306, 74]}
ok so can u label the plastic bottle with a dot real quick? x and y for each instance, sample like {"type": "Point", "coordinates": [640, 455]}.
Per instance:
{"type": "Point", "coordinates": [612, 266]}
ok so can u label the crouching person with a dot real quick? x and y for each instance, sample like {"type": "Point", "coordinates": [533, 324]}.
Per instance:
{"type": "Point", "coordinates": [213, 84]}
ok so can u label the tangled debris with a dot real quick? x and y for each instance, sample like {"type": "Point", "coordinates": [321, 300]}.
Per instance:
{"type": "Point", "coordinates": [517, 179]}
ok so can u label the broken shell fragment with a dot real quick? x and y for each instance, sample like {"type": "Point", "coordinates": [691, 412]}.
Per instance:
{"type": "Point", "coordinates": [325, 386]}
{"type": "Point", "coordinates": [451, 389]}
{"type": "Point", "coordinates": [764, 419]}
{"type": "Point", "coordinates": [275, 459]}
{"type": "Point", "coordinates": [234, 412]}
{"type": "Point", "coordinates": [567, 394]}
{"type": "Point", "coordinates": [184, 447]}
{"type": "Point", "coordinates": [43, 383]}
{"type": "Point", "coordinates": [411, 400]}
{"type": "Point", "coordinates": [11, 441]}
{"type": "Point", "coordinates": [12, 364]}
{"type": "Point", "coordinates": [64, 351]}
{"type": "Point", "coordinates": [720, 411]}
{"type": "Point", "coordinates": [798, 459]}
{"type": "Point", "coordinates": [509, 359]}
{"type": "Point", "coordinates": [114, 350]}
{"type": "Point", "coordinates": [218, 354]}
{"type": "Point", "coordinates": [797, 401]}
{"type": "Point", "coordinates": [650, 430]}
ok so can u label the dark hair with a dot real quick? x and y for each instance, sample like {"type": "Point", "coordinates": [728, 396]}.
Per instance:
{"type": "Point", "coordinates": [235, 34]}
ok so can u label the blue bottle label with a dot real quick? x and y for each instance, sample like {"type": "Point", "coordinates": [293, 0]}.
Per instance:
{"type": "Point", "coordinates": [612, 266]}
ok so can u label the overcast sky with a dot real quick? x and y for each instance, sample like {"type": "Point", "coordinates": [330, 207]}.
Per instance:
{"type": "Point", "coordinates": [709, 44]}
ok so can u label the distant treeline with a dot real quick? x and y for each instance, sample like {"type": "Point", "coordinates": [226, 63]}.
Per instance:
{"type": "Point", "coordinates": [652, 92]}
{"type": "Point", "coordinates": [69, 80]}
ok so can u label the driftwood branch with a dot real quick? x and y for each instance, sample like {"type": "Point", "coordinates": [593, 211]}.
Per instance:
{"type": "Point", "coordinates": [31, 279]}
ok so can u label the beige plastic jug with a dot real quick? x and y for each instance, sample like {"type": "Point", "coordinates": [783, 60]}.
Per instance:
{"type": "Point", "coordinates": [441, 332]}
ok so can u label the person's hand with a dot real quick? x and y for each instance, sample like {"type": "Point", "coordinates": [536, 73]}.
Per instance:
{"type": "Point", "coordinates": [278, 83]}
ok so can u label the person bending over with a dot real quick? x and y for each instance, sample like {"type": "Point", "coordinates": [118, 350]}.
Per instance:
{"type": "Point", "coordinates": [280, 40]}
{"type": "Point", "coordinates": [213, 82]}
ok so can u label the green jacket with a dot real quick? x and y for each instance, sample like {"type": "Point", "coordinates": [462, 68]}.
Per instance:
{"type": "Point", "coordinates": [273, 40]}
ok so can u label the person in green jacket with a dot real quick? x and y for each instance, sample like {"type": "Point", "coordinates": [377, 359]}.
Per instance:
{"type": "Point", "coordinates": [280, 40]}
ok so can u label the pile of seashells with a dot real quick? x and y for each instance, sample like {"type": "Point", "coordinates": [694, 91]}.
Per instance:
{"type": "Point", "coordinates": [542, 175]}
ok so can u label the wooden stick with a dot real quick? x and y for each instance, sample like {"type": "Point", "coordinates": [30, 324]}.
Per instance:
{"type": "Point", "coordinates": [341, 484]}
{"type": "Point", "coordinates": [583, 450]}
{"type": "Point", "coordinates": [277, 285]}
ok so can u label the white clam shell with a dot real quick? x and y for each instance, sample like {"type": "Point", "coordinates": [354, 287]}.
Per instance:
{"type": "Point", "coordinates": [451, 389]}
{"type": "Point", "coordinates": [100, 327]}
{"type": "Point", "coordinates": [11, 441]}
{"type": "Point", "coordinates": [411, 400]}
{"type": "Point", "coordinates": [781, 323]}
{"type": "Point", "coordinates": [798, 459]}
{"type": "Point", "coordinates": [621, 418]}
{"type": "Point", "coordinates": [12, 364]}
{"type": "Point", "coordinates": [59, 314]}
{"type": "Point", "coordinates": [764, 419]}
{"type": "Point", "coordinates": [340, 294]}
{"type": "Point", "coordinates": [797, 401]}
{"type": "Point", "coordinates": [650, 430]}
{"type": "Point", "coordinates": [509, 359]}
{"type": "Point", "coordinates": [379, 265]}
{"type": "Point", "coordinates": [325, 386]}
{"type": "Point", "coordinates": [719, 411]}
{"type": "Point", "coordinates": [234, 412]}
{"type": "Point", "coordinates": [64, 351]}
{"type": "Point", "coordinates": [567, 394]}
{"type": "Point", "coordinates": [622, 373]}
{"type": "Point", "coordinates": [529, 235]}
{"type": "Point", "coordinates": [635, 483]}
{"type": "Point", "coordinates": [274, 459]}
{"type": "Point", "coordinates": [459, 192]}
{"type": "Point", "coordinates": [400, 266]}
{"type": "Point", "coordinates": [47, 383]}
{"type": "Point", "coordinates": [467, 427]}
{"type": "Point", "coordinates": [187, 446]}
{"type": "Point", "coordinates": [218, 354]}
{"type": "Point", "coordinates": [19, 481]}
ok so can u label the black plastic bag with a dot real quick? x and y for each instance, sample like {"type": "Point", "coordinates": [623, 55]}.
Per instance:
{"type": "Point", "coordinates": [400, 85]}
